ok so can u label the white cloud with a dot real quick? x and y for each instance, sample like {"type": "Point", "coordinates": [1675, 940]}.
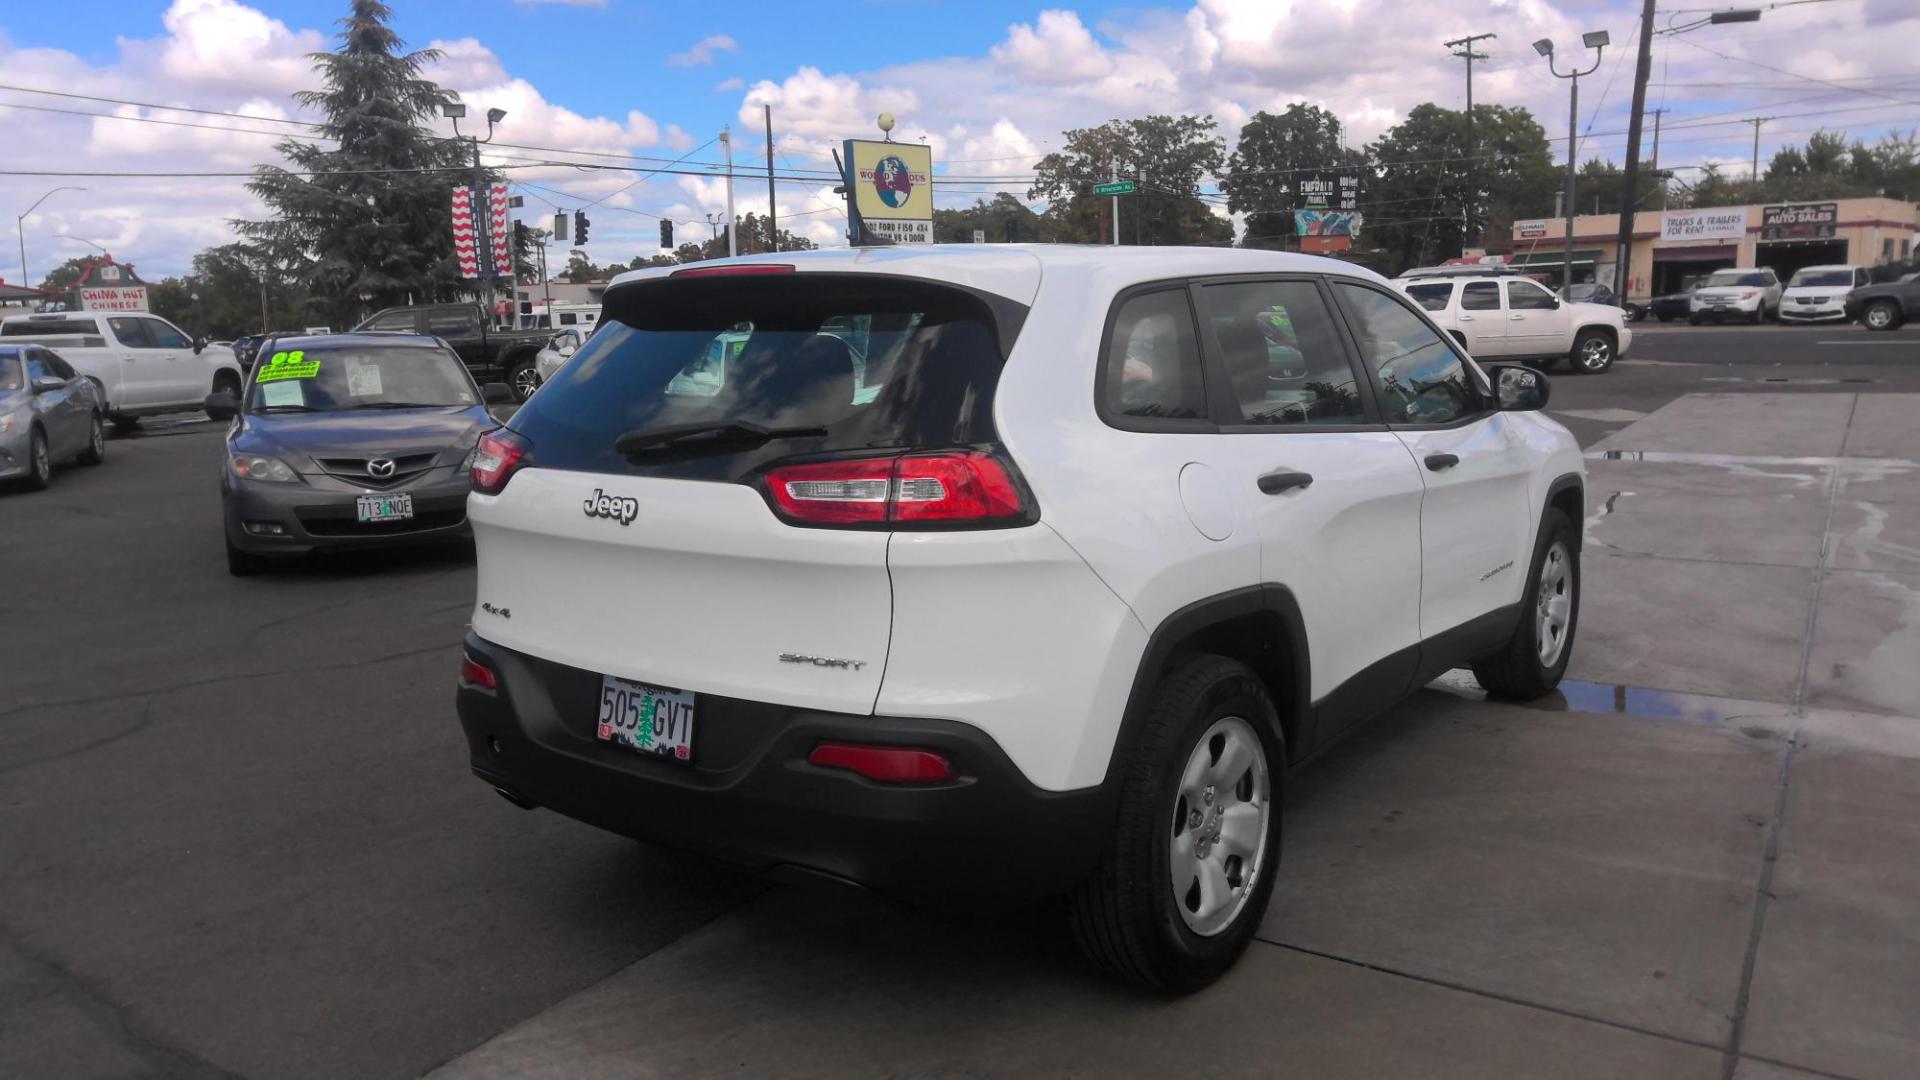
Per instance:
{"type": "Point", "coordinates": [702, 52]}
{"type": "Point", "coordinates": [1057, 49]}
{"type": "Point", "coordinates": [724, 85]}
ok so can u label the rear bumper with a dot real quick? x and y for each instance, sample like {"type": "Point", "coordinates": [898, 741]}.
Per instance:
{"type": "Point", "coordinates": [749, 796]}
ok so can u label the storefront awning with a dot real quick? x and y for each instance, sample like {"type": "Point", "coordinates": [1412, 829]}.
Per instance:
{"type": "Point", "coordinates": [1553, 258]}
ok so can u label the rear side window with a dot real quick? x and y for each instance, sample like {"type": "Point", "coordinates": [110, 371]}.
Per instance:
{"type": "Point", "coordinates": [1152, 366]}
{"type": "Point", "coordinates": [833, 364]}
{"type": "Point", "coordinates": [1480, 296]}
{"type": "Point", "coordinates": [1526, 296]}
{"type": "Point", "coordinates": [1432, 295]}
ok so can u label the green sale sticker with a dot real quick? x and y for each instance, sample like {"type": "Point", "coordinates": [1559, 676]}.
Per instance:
{"type": "Point", "coordinates": [288, 365]}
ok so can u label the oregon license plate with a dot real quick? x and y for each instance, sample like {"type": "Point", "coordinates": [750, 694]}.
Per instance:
{"type": "Point", "coordinates": [649, 719]}
{"type": "Point", "coordinates": [383, 507]}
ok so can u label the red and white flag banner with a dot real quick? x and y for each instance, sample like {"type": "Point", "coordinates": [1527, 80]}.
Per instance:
{"type": "Point", "coordinates": [501, 230]}
{"type": "Point", "coordinates": [466, 243]}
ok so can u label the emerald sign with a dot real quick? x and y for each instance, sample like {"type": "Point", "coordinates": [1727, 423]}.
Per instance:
{"type": "Point", "coordinates": [1118, 187]}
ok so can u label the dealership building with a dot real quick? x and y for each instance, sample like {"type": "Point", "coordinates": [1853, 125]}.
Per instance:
{"type": "Point", "coordinates": [1673, 248]}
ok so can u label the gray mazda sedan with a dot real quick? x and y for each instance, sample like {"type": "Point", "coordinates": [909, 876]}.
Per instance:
{"type": "Point", "coordinates": [345, 441]}
{"type": "Point", "coordinates": [49, 413]}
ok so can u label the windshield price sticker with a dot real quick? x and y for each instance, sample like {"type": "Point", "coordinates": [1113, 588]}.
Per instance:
{"type": "Point", "coordinates": [288, 365]}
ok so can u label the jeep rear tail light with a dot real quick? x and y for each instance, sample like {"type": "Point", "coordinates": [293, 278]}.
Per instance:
{"type": "Point", "coordinates": [962, 488]}
{"type": "Point", "coordinates": [496, 457]}
{"type": "Point", "coordinates": [476, 674]}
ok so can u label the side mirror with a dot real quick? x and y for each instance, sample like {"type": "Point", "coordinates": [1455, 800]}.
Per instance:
{"type": "Point", "coordinates": [222, 405]}
{"type": "Point", "coordinates": [1557, 302]}
{"type": "Point", "coordinates": [48, 386]}
{"type": "Point", "coordinates": [1519, 389]}
{"type": "Point", "coordinates": [497, 393]}
{"type": "Point", "coordinates": [199, 345]}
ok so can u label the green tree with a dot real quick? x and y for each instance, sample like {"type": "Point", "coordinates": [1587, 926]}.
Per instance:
{"type": "Point", "coordinates": [368, 214]}
{"type": "Point", "coordinates": [1165, 156]}
{"type": "Point", "coordinates": [1426, 167]}
{"type": "Point", "coordinates": [1273, 152]}
{"type": "Point", "coordinates": [62, 277]}
{"type": "Point", "coordinates": [1601, 183]}
{"type": "Point", "coordinates": [1005, 214]}
{"type": "Point", "coordinates": [233, 282]}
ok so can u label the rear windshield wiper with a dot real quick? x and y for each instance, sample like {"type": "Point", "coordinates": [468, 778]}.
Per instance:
{"type": "Point", "coordinates": [685, 437]}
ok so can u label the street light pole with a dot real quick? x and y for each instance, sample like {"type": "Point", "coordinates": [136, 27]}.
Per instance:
{"type": "Point", "coordinates": [483, 202]}
{"type": "Point", "coordinates": [20, 227]}
{"type": "Point", "coordinates": [1595, 40]}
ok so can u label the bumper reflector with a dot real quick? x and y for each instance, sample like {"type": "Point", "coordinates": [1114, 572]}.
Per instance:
{"type": "Point", "coordinates": [474, 673]}
{"type": "Point", "coordinates": [885, 764]}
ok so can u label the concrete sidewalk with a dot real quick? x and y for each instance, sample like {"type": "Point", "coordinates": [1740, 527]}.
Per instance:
{"type": "Point", "coordinates": [1698, 860]}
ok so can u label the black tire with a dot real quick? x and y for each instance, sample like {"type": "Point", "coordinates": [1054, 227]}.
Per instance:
{"type": "Point", "coordinates": [1125, 915]}
{"type": "Point", "coordinates": [1695, 320]}
{"type": "Point", "coordinates": [1518, 671]}
{"type": "Point", "coordinates": [524, 377]}
{"type": "Point", "coordinates": [96, 451]}
{"type": "Point", "coordinates": [245, 563]}
{"type": "Point", "coordinates": [1665, 318]}
{"type": "Point", "coordinates": [227, 381]}
{"type": "Point", "coordinates": [1881, 315]}
{"type": "Point", "coordinates": [1593, 352]}
{"type": "Point", "coordinates": [125, 425]}
{"type": "Point", "coordinates": [39, 461]}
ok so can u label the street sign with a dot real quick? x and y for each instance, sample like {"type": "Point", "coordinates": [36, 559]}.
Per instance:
{"type": "Point", "coordinates": [1118, 187]}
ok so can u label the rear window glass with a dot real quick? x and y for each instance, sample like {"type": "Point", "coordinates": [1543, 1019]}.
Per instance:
{"type": "Point", "coordinates": [1432, 295]}
{"type": "Point", "coordinates": [46, 327]}
{"type": "Point", "coordinates": [875, 363]}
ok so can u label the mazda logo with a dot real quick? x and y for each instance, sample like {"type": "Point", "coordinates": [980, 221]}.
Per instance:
{"type": "Point", "coordinates": [380, 468]}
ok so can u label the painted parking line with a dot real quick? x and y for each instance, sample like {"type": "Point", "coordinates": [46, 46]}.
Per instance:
{"type": "Point", "coordinates": [1857, 341]}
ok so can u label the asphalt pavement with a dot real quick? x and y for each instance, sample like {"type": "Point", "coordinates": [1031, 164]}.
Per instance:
{"type": "Point", "coordinates": [238, 836]}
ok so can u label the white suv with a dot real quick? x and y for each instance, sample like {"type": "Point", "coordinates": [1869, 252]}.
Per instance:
{"type": "Point", "coordinates": [1751, 295]}
{"type": "Point", "coordinates": [1116, 538]}
{"type": "Point", "coordinates": [1515, 318]}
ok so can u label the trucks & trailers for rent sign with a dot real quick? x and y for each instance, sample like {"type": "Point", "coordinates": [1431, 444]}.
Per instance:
{"type": "Point", "coordinates": [892, 192]}
{"type": "Point", "coordinates": [1724, 223]}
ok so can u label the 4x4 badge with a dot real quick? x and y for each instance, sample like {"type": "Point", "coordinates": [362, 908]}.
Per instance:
{"type": "Point", "coordinates": [616, 507]}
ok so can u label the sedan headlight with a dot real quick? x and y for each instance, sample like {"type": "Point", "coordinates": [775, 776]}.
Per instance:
{"type": "Point", "coordinates": [7, 422]}
{"type": "Point", "coordinates": [258, 467]}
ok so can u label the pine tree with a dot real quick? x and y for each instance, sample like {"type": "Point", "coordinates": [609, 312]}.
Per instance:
{"type": "Point", "coordinates": [366, 210]}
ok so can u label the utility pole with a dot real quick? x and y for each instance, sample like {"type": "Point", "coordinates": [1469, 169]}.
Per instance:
{"type": "Point", "coordinates": [1655, 165]}
{"type": "Point", "coordinates": [773, 233]}
{"type": "Point", "coordinates": [1753, 174]}
{"type": "Point", "coordinates": [1630, 180]}
{"type": "Point", "coordinates": [1463, 48]}
{"type": "Point", "coordinates": [726, 140]}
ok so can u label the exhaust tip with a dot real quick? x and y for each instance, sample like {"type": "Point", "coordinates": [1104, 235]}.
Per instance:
{"type": "Point", "coordinates": [520, 801]}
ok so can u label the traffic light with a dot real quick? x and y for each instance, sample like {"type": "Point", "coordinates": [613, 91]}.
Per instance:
{"type": "Point", "coordinates": [580, 224]}
{"type": "Point", "coordinates": [666, 234]}
{"type": "Point", "coordinates": [520, 234]}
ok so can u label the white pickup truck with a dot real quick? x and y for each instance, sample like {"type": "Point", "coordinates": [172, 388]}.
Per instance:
{"type": "Point", "coordinates": [1513, 318]}
{"type": "Point", "coordinates": [142, 363]}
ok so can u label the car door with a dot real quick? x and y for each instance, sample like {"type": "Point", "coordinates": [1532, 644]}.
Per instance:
{"type": "Point", "coordinates": [187, 382]}
{"type": "Point", "coordinates": [59, 412]}
{"type": "Point", "coordinates": [143, 370]}
{"type": "Point", "coordinates": [1483, 320]}
{"type": "Point", "coordinates": [1538, 324]}
{"type": "Point", "coordinates": [1476, 523]}
{"type": "Point", "coordinates": [1332, 493]}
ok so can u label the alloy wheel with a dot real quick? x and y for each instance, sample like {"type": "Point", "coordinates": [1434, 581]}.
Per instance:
{"type": "Point", "coordinates": [40, 460]}
{"type": "Point", "coordinates": [1878, 317]}
{"type": "Point", "coordinates": [525, 381]}
{"type": "Point", "coordinates": [1221, 814]}
{"type": "Point", "coordinates": [1553, 604]}
{"type": "Point", "coordinates": [1595, 353]}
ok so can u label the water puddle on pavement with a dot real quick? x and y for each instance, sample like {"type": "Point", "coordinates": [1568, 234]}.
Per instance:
{"type": "Point", "coordinates": [1575, 695]}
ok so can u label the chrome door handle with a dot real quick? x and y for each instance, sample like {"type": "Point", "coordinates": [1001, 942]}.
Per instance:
{"type": "Point", "coordinates": [1517, 318]}
{"type": "Point", "coordinates": [1466, 318]}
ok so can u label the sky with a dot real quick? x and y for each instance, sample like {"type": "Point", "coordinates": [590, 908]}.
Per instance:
{"type": "Point", "coordinates": [989, 84]}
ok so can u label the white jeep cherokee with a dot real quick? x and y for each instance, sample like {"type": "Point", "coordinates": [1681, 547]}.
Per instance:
{"type": "Point", "coordinates": [1514, 318]}
{"type": "Point", "coordinates": [988, 573]}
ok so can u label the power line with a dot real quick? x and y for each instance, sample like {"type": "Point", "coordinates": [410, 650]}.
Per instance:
{"type": "Point", "coordinates": [1794, 74]}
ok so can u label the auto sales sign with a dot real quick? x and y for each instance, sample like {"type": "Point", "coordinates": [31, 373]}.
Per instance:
{"type": "Point", "coordinates": [1720, 223]}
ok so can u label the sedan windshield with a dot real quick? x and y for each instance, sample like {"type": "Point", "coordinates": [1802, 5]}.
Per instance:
{"type": "Point", "coordinates": [10, 377]}
{"type": "Point", "coordinates": [1821, 278]}
{"type": "Point", "coordinates": [359, 376]}
{"type": "Point", "coordinates": [1724, 278]}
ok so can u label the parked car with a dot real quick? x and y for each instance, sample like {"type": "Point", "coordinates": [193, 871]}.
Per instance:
{"type": "Point", "coordinates": [554, 353]}
{"type": "Point", "coordinates": [348, 440]}
{"type": "Point", "coordinates": [49, 414]}
{"type": "Point", "coordinates": [245, 348]}
{"type": "Point", "coordinates": [1885, 306]}
{"type": "Point", "coordinates": [1752, 295]}
{"type": "Point", "coordinates": [1592, 292]}
{"type": "Point", "coordinates": [1818, 293]}
{"type": "Point", "coordinates": [141, 364]}
{"type": "Point", "coordinates": [492, 355]}
{"type": "Point", "coordinates": [1122, 535]}
{"type": "Point", "coordinates": [1509, 318]}
{"type": "Point", "coordinates": [1671, 306]}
